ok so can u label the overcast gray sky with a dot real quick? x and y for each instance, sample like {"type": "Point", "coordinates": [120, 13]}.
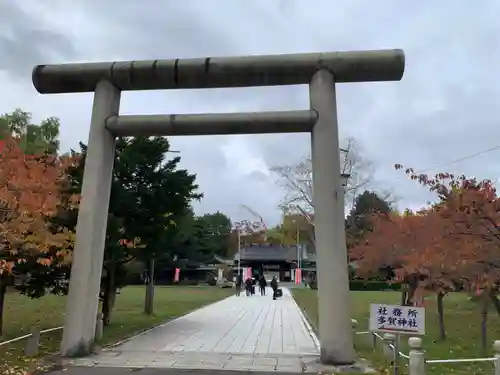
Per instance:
{"type": "Point", "coordinates": [444, 108]}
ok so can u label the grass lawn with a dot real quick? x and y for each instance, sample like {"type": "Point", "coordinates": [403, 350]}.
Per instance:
{"type": "Point", "coordinates": [128, 318]}
{"type": "Point", "coordinates": [463, 329]}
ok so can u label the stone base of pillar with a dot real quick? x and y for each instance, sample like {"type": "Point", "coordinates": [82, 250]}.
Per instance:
{"type": "Point", "coordinates": [328, 358]}
{"type": "Point", "coordinates": [359, 367]}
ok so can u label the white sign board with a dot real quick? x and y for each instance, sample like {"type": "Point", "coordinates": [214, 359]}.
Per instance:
{"type": "Point", "coordinates": [397, 319]}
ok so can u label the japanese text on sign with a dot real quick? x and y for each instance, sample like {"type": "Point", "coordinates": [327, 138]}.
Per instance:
{"type": "Point", "coordinates": [397, 319]}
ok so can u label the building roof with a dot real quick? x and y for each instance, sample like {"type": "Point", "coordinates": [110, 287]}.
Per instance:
{"type": "Point", "coordinates": [272, 252]}
{"type": "Point", "coordinates": [222, 260]}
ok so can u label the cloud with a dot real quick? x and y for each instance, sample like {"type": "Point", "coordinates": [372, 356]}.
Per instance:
{"type": "Point", "coordinates": [25, 38]}
{"type": "Point", "coordinates": [443, 109]}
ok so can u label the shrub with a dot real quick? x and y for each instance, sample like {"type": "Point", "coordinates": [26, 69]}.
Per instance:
{"type": "Point", "coordinates": [361, 285]}
{"type": "Point", "coordinates": [188, 282]}
{"type": "Point", "coordinates": [211, 281]}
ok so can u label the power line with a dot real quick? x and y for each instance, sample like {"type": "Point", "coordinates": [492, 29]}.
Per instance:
{"type": "Point", "coordinates": [459, 160]}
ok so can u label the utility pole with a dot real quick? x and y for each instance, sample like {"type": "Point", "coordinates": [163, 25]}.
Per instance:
{"type": "Point", "coordinates": [239, 250]}
{"type": "Point", "coordinates": [299, 260]}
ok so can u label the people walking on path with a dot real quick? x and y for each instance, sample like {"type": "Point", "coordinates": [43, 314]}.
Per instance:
{"type": "Point", "coordinates": [274, 285]}
{"type": "Point", "coordinates": [262, 285]}
{"type": "Point", "coordinates": [238, 284]}
{"type": "Point", "coordinates": [253, 330]}
{"type": "Point", "coordinates": [248, 286]}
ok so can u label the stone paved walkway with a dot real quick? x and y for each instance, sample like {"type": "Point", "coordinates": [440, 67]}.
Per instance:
{"type": "Point", "coordinates": [237, 333]}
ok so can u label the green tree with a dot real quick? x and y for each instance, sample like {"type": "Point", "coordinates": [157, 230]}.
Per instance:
{"type": "Point", "coordinates": [293, 228]}
{"type": "Point", "coordinates": [199, 238]}
{"type": "Point", "coordinates": [358, 221]}
{"type": "Point", "coordinates": [148, 193]}
{"type": "Point", "coordinates": [276, 235]}
{"type": "Point", "coordinates": [158, 193]}
{"type": "Point", "coordinates": [184, 243]}
{"type": "Point", "coordinates": [216, 228]}
{"type": "Point", "coordinates": [297, 227]}
{"type": "Point", "coordinates": [116, 255]}
{"type": "Point", "coordinates": [34, 139]}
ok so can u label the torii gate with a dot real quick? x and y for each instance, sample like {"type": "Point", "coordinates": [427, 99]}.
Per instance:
{"type": "Point", "coordinates": [319, 70]}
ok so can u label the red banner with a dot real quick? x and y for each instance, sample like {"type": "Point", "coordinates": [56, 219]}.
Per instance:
{"type": "Point", "coordinates": [298, 276]}
{"type": "Point", "coordinates": [177, 275]}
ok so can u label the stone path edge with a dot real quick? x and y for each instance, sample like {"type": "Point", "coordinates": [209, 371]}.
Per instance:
{"type": "Point", "coordinates": [157, 371]}
{"type": "Point", "coordinates": [306, 320]}
{"type": "Point", "coordinates": [310, 329]}
{"type": "Point", "coordinates": [143, 332]}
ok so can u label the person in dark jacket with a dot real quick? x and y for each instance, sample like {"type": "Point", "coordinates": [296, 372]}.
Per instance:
{"type": "Point", "coordinates": [238, 284]}
{"type": "Point", "coordinates": [262, 285]}
{"type": "Point", "coordinates": [274, 285]}
{"type": "Point", "coordinates": [248, 286]}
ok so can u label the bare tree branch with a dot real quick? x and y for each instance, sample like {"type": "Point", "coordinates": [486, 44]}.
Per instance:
{"type": "Point", "coordinates": [359, 169]}
{"type": "Point", "coordinates": [296, 180]}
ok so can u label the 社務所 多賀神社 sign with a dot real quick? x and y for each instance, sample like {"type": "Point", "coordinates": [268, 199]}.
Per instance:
{"type": "Point", "coordinates": [397, 319]}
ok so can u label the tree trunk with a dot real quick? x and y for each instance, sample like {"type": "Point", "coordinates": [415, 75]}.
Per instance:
{"type": "Point", "coordinates": [409, 293]}
{"type": "Point", "coordinates": [3, 291]}
{"type": "Point", "coordinates": [440, 310]}
{"type": "Point", "coordinates": [495, 301]}
{"type": "Point", "coordinates": [150, 288]}
{"type": "Point", "coordinates": [484, 321]}
{"type": "Point", "coordinates": [404, 294]}
{"type": "Point", "coordinates": [109, 294]}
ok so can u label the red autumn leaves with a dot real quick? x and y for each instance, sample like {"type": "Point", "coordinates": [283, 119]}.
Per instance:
{"type": "Point", "coordinates": [29, 193]}
{"type": "Point", "coordinates": [455, 241]}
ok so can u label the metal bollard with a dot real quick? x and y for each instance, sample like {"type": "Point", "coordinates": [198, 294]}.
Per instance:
{"type": "Point", "coordinates": [496, 348]}
{"type": "Point", "coordinates": [416, 363]}
{"type": "Point", "coordinates": [99, 326]}
{"type": "Point", "coordinates": [32, 343]}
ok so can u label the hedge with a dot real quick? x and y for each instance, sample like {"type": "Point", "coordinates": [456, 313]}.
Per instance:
{"type": "Point", "coordinates": [361, 285]}
{"type": "Point", "coordinates": [188, 282]}
{"type": "Point", "coordinates": [373, 285]}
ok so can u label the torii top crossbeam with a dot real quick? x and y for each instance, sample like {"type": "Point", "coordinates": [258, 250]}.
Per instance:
{"type": "Point", "coordinates": [216, 72]}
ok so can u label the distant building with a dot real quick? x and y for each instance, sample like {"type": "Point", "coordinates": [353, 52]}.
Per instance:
{"type": "Point", "coordinates": [275, 260]}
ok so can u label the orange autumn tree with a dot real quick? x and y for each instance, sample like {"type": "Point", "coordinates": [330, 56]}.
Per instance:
{"type": "Point", "coordinates": [394, 238]}
{"type": "Point", "coordinates": [413, 246]}
{"type": "Point", "coordinates": [471, 209]}
{"type": "Point", "coordinates": [29, 193]}
{"type": "Point", "coordinates": [432, 263]}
